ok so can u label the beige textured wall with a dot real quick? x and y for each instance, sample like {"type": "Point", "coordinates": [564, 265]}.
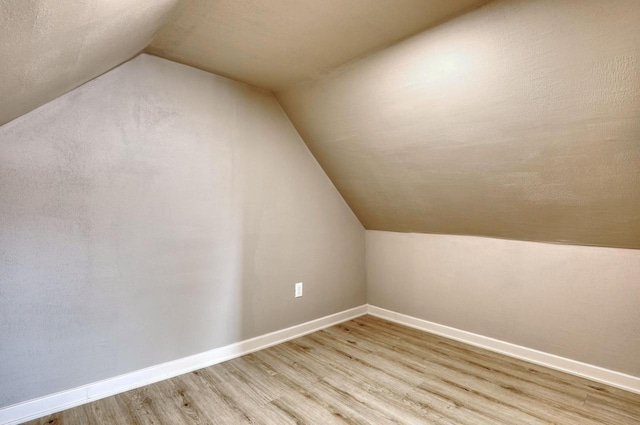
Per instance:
{"type": "Point", "coordinates": [157, 212]}
{"type": "Point", "coordinates": [578, 302]}
{"type": "Point", "coordinates": [518, 120]}
{"type": "Point", "coordinates": [48, 47]}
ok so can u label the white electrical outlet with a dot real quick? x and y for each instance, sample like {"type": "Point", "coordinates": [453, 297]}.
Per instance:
{"type": "Point", "coordinates": [298, 289]}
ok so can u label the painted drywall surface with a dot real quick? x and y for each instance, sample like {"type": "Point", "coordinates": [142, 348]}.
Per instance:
{"type": "Point", "coordinates": [48, 47]}
{"type": "Point", "coordinates": [156, 212]}
{"type": "Point", "coordinates": [273, 43]}
{"type": "Point", "coordinates": [577, 302]}
{"type": "Point", "coordinates": [518, 120]}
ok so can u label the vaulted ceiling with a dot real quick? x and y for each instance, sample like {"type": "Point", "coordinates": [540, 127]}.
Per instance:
{"type": "Point", "coordinates": [48, 47]}
{"type": "Point", "coordinates": [273, 43]}
{"type": "Point", "coordinates": [519, 119]}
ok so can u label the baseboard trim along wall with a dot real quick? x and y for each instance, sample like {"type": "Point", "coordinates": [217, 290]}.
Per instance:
{"type": "Point", "coordinates": [573, 367]}
{"type": "Point", "coordinates": [63, 400]}
{"type": "Point", "coordinates": [32, 409]}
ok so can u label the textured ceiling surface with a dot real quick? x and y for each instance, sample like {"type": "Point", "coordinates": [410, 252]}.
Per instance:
{"type": "Point", "coordinates": [273, 43]}
{"type": "Point", "coordinates": [518, 120]}
{"type": "Point", "coordinates": [48, 47]}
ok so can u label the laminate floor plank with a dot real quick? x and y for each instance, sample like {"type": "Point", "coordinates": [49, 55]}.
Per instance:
{"type": "Point", "coordinates": [219, 406]}
{"type": "Point", "coordinates": [365, 371]}
{"type": "Point", "coordinates": [565, 406]}
{"type": "Point", "coordinates": [282, 363]}
{"type": "Point", "coordinates": [612, 410]}
{"type": "Point", "coordinates": [137, 406]}
{"type": "Point", "coordinates": [249, 402]}
{"type": "Point", "coordinates": [473, 360]}
{"type": "Point", "coordinates": [483, 381]}
{"type": "Point", "coordinates": [102, 411]}
{"type": "Point", "coordinates": [395, 402]}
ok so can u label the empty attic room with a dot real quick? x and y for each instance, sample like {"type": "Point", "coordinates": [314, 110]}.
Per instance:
{"type": "Point", "coordinates": [320, 212]}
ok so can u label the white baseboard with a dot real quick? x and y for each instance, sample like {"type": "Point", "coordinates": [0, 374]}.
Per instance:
{"type": "Point", "coordinates": [32, 409]}
{"type": "Point", "coordinates": [584, 370]}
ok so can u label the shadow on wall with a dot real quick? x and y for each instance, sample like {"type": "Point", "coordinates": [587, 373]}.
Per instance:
{"type": "Point", "coordinates": [154, 213]}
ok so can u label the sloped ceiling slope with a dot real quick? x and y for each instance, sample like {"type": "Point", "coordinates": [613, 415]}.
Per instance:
{"type": "Point", "coordinates": [48, 47]}
{"type": "Point", "coordinates": [272, 43]}
{"type": "Point", "coordinates": [518, 120]}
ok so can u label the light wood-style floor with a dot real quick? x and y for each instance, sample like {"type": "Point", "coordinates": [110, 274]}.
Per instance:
{"type": "Point", "coordinates": [366, 371]}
